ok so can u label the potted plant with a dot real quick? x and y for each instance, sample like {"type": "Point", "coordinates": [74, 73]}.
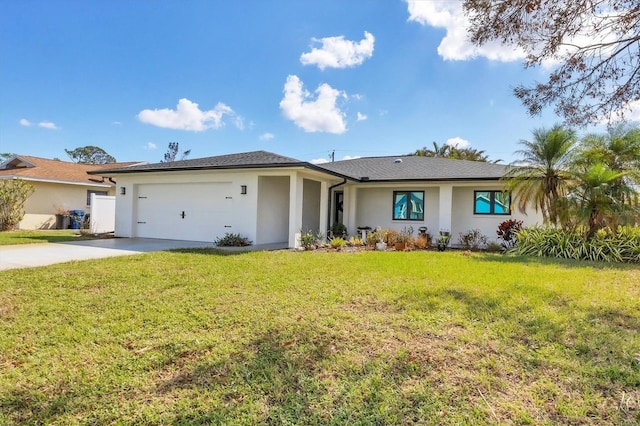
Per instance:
{"type": "Point", "coordinates": [402, 237]}
{"type": "Point", "coordinates": [62, 217]}
{"type": "Point", "coordinates": [443, 240]}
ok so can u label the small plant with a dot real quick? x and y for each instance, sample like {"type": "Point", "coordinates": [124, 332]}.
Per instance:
{"type": "Point", "coordinates": [507, 232]}
{"type": "Point", "coordinates": [13, 196]}
{"type": "Point", "coordinates": [232, 240]}
{"type": "Point", "coordinates": [493, 247]}
{"type": "Point", "coordinates": [309, 240]}
{"type": "Point", "coordinates": [443, 240]}
{"type": "Point", "coordinates": [422, 242]}
{"type": "Point", "coordinates": [338, 230]}
{"type": "Point", "coordinates": [472, 240]}
{"type": "Point", "coordinates": [337, 243]}
{"type": "Point", "coordinates": [355, 242]}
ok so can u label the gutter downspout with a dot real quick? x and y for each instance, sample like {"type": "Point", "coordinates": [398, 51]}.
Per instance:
{"type": "Point", "coordinates": [344, 180]}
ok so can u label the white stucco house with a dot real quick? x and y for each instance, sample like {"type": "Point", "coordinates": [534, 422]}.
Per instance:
{"type": "Point", "coordinates": [270, 198]}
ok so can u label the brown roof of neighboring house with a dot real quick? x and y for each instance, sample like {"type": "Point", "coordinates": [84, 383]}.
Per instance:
{"type": "Point", "coordinates": [42, 169]}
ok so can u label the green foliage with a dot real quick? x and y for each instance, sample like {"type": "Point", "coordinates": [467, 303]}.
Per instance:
{"type": "Point", "coordinates": [13, 195]}
{"type": "Point", "coordinates": [309, 239]}
{"type": "Point", "coordinates": [472, 239]}
{"type": "Point", "coordinates": [621, 245]}
{"type": "Point", "coordinates": [232, 240]}
{"type": "Point", "coordinates": [337, 242]}
{"type": "Point", "coordinates": [453, 152]}
{"type": "Point", "coordinates": [338, 230]}
{"type": "Point", "coordinates": [90, 155]}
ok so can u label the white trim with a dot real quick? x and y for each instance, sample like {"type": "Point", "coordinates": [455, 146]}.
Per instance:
{"type": "Point", "coordinates": [65, 182]}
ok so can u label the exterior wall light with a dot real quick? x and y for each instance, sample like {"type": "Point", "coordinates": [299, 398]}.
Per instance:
{"type": "Point", "coordinates": [243, 189]}
{"type": "Point", "coordinates": [123, 190]}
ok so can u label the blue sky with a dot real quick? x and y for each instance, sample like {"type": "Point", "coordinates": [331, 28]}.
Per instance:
{"type": "Point", "coordinates": [299, 78]}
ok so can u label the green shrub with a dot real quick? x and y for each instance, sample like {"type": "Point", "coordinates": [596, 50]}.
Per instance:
{"type": "Point", "coordinates": [338, 230]}
{"type": "Point", "coordinates": [13, 195]}
{"type": "Point", "coordinates": [337, 242]}
{"type": "Point", "coordinates": [309, 240]}
{"type": "Point", "coordinates": [232, 240]}
{"type": "Point", "coordinates": [621, 245]}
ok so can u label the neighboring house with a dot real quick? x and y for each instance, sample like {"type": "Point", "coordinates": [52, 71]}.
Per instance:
{"type": "Point", "coordinates": [270, 198]}
{"type": "Point", "coordinates": [59, 186]}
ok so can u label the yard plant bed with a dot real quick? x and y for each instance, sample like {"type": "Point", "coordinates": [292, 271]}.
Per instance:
{"type": "Point", "coordinates": [205, 337]}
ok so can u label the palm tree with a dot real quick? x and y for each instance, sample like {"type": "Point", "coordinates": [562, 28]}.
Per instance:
{"type": "Point", "coordinates": [543, 176]}
{"type": "Point", "coordinates": [453, 152]}
{"type": "Point", "coordinates": [597, 197]}
{"type": "Point", "coordinates": [437, 151]}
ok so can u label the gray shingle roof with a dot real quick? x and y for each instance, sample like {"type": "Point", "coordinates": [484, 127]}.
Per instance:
{"type": "Point", "coordinates": [415, 168]}
{"type": "Point", "coordinates": [230, 161]}
{"type": "Point", "coordinates": [399, 168]}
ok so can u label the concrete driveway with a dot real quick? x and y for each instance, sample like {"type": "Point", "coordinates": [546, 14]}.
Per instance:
{"type": "Point", "coordinates": [30, 255]}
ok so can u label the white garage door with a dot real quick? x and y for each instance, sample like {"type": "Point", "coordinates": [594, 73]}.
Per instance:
{"type": "Point", "coordinates": [193, 211]}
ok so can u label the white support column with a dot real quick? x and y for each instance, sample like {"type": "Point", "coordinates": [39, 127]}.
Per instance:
{"type": "Point", "coordinates": [350, 208]}
{"type": "Point", "coordinates": [295, 209]}
{"type": "Point", "coordinates": [324, 206]}
{"type": "Point", "coordinates": [446, 203]}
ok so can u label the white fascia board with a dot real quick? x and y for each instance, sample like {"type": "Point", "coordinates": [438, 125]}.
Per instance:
{"type": "Point", "coordinates": [64, 182]}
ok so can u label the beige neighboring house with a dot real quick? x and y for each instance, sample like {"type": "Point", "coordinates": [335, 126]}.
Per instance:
{"type": "Point", "coordinates": [59, 186]}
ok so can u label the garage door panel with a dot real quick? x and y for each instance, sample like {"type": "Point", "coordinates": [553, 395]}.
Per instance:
{"type": "Point", "coordinates": [195, 211]}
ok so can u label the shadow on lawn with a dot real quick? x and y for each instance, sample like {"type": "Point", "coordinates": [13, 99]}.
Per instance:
{"type": "Point", "coordinates": [566, 263]}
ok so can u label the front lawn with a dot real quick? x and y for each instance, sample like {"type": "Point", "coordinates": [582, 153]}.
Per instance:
{"type": "Point", "coordinates": [40, 236]}
{"type": "Point", "coordinates": [365, 338]}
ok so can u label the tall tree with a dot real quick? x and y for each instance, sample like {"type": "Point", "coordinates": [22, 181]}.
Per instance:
{"type": "Point", "coordinates": [90, 155]}
{"type": "Point", "coordinates": [593, 45]}
{"type": "Point", "coordinates": [437, 151]}
{"type": "Point", "coordinates": [543, 177]}
{"type": "Point", "coordinates": [173, 151]}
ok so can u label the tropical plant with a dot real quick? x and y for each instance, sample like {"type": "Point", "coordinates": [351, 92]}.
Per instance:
{"type": "Point", "coordinates": [543, 176]}
{"type": "Point", "coordinates": [621, 245]}
{"type": "Point", "coordinates": [507, 232]}
{"type": "Point", "coordinates": [337, 243]}
{"type": "Point", "coordinates": [309, 240]}
{"type": "Point", "coordinates": [355, 242]}
{"type": "Point", "coordinates": [598, 197]}
{"type": "Point", "coordinates": [13, 195]}
{"type": "Point", "coordinates": [232, 240]}
{"type": "Point", "coordinates": [172, 153]}
{"type": "Point", "coordinates": [452, 152]}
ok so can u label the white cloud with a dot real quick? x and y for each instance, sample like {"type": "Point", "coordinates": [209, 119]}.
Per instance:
{"type": "Point", "coordinates": [150, 145]}
{"type": "Point", "coordinates": [361, 117]}
{"type": "Point", "coordinates": [267, 136]}
{"type": "Point", "coordinates": [188, 116]}
{"type": "Point", "coordinates": [26, 123]}
{"type": "Point", "coordinates": [319, 161]}
{"type": "Point", "coordinates": [336, 52]}
{"type": "Point", "coordinates": [47, 125]}
{"type": "Point", "coordinates": [116, 123]}
{"type": "Point", "coordinates": [457, 142]}
{"type": "Point", "coordinates": [455, 45]}
{"type": "Point", "coordinates": [350, 157]}
{"type": "Point", "coordinates": [319, 115]}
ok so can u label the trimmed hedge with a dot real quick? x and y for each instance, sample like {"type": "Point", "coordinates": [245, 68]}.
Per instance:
{"type": "Point", "coordinates": [621, 245]}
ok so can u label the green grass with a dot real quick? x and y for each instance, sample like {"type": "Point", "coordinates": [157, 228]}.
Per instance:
{"type": "Point", "coordinates": [40, 236]}
{"type": "Point", "coordinates": [198, 337]}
